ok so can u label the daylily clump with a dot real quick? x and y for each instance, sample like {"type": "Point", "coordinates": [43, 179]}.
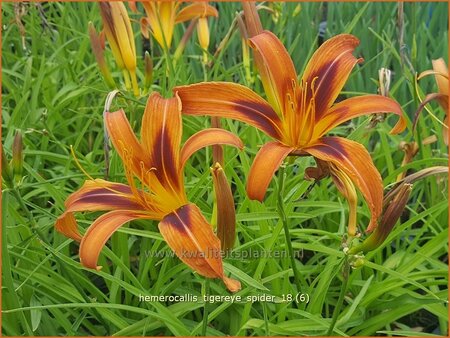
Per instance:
{"type": "Point", "coordinates": [155, 190]}
{"type": "Point", "coordinates": [298, 115]}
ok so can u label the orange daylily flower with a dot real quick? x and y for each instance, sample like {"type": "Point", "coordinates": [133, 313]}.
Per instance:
{"type": "Point", "coordinates": [440, 72]}
{"type": "Point", "coordinates": [298, 114]}
{"type": "Point", "coordinates": [157, 163]}
{"type": "Point", "coordinates": [162, 16]}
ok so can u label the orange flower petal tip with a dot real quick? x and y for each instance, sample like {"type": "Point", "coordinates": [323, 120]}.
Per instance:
{"type": "Point", "coordinates": [67, 225]}
{"type": "Point", "coordinates": [232, 284]}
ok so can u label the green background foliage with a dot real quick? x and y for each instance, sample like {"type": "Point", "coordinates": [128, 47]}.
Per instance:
{"type": "Point", "coordinates": [53, 92]}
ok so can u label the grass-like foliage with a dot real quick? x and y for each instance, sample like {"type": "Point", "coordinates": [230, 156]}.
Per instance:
{"type": "Point", "coordinates": [53, 92]}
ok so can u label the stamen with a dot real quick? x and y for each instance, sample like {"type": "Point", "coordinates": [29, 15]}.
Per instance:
{"type": "Point", "coordinates": [313, 83]}
{"type": "Point", "coordinates": [96, 181]}
{"type": "Point", "coordinates": [294, 85]}
{"type": "Point", "coordinates": [78, 163]}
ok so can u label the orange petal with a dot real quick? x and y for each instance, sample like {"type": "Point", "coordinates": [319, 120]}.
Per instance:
{"type": "Point", "coordinates": [267, 161]}
{"type": "Point", "coordinates": [108, 28]}
{"type": "Point", "coordinates": [441, 75]}
{"type": "Point", "coordinates": [208, 137]}
{"type": "Point", "coordinates": [230, 100]}
{"type": "Point", "coordinates": [144, 27]}
{"type": "Point", "coordinates": [226, 213]}
{"type": "Point", "coordinates": [167, 15]}
{"type": "Point", "coordinates": [354, 160]}
{"type": "Point", "coordinates": [196, 10]}
{"type": "Point", "coordinates": [126, 143]}
{"type": "Point", "coordinates": [97, 195]}
{"type": "Point", "coordinates": [124, 34]}
{"type": "Point", "coordinates": [358, 106]}
{"type": "Point", "coordinates": [67, 225]}
{"type": "Point", "coordinates": [132, 5]}
{"type": "Point", "coordinates": [190, 236]}
{"type": "Point", "coordinates": [331, 64]}
{"type": "Point", "coordinates": [277, 71]}
{"type": "Point", "coordinates": [161, 138]}
{"type": "Point", "coordinates": [347, 188]}
{"type": "Point", "coordinates": [100, 231]}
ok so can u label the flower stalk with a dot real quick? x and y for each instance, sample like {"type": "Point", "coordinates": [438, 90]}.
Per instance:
{"type": "Point", "coordinates": [340, 301]}
{"type": "Point", "coordinates": [284, 219]}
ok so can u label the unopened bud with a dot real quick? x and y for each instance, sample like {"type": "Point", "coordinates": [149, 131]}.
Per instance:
{"type": "Point", "coordinates": [148, 70]}
{"type": "Point", "coordinates": [217, 149]}
{"type": "Point", "coordinates": [275, 8]}
{"type": "Point", "coordinates": [6, 170]}
{"type": "Point", "coordinates": [203, 33]}
{"type": "Point", "coordinates": [17, 156]}
{"type": "Point", "coordinates": [357, 261]}
{"type": "Point", "coordinates": [245, 49]}
{"type": "Point", "coordinates": [384, 76]}
{"type": "Point", "coordinates": [391, 214]}
{"type": "Point", "coordinates": [252, 20]}
{"type": "Point", "coordinates": [184, 39]}
{"type": "Point", "coordinates": [225, 212]}
{"type": "Point", "coordinates": [117, 26]}
{"type": "Point", "coordinates": [297, 10]}
{"type": "Point", "coordinates": [98, 48]}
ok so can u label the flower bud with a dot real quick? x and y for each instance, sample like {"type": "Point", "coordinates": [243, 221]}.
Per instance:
{"type": "Point", "coordinates": [17, 157]}
{"type": "Point", "coordinates": [6, 170]}
{"type": "Point", "coordinates": [148, 70]}
{"type": "Point", "coordinates": [217, 149]}
{"type": "Point", "coordinates": [203, 36]}
{"type": "Point", "coordinates": [98, 48]}
{"type": "Point", "coordinates": [384, 77]}
{"type": "Point", "coordinates": [183, 42]}
{"type": "Point", "coordinates": [120, 36]}
{"type": "Point", "coordinates": [225, 212]}
{"type": "Point", "coordinates": [297, 10]}
{"type": "Point", "coordinates": [252, 20]}
{"type": "Point", "coordinates": [392, 213]}
{"type": "Point", "coordinates": [203, 33]}
{"type": "Point", "coordinates": [245, 49]}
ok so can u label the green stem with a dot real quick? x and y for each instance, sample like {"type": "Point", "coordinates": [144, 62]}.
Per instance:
{"type": "Point", "coordinates": [24, 208]}
{"type": "Point", "coordinates": [337, 309]}
{"type": "Point", "coordinates": [205, 309]}
{"type": "Point", "coordinates": [266, 321]}
{"type": "Point", "coordinates": [284, 220]}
